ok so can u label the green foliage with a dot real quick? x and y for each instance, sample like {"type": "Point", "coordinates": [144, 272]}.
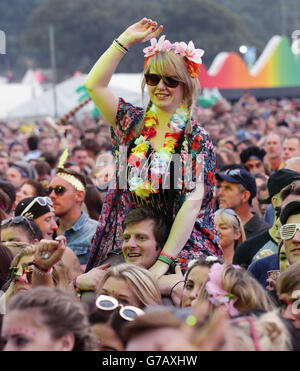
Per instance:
{"type": "Point", "coordinates": [85, 28]}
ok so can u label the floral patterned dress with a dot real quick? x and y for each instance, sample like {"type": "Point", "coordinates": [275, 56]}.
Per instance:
{"type": "Point", "coordinates": [119, 200]}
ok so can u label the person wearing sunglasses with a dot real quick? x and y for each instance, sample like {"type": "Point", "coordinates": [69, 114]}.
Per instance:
{"type": "Point", "coordinates": [108, 318]}
{"type": "Point", "coordinates": [149, 138]}
{"type": "Point", "coordinates": [277, 261]}
{"type": "Point", "coordinates": [21, 270]}
{"type": "Point", "coordinates": [67, 192]}
{"type": "Point", "coordinates": [20, 229]}
{"type": "Point", "coordinates": [290, 230]}
{"type": "Point", "coordinates": [266, 242]}
{"type": "Point", "coordinates": [39, 209]}
{"type": "Point", "coordinates": [130, 285]}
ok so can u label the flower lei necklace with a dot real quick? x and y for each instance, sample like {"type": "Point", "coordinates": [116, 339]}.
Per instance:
{"type": "Point", "coordinates": [161, 159]}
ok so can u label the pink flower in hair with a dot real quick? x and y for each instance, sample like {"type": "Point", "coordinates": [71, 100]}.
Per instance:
{"type": "Point", "coordinates": [193, 54]}
{"type": "Point", "coordinates": [157, 46]}
{"type": "Point", "coordinates": [217, 295]}
{"type": "Point", "coordinates": [180, 48]}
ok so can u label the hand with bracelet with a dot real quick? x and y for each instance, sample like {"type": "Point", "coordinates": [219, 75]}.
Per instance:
{"type": "Point", "coordinates": [48, 253]}
{"type": "Point", "coordinates": [152, 135]}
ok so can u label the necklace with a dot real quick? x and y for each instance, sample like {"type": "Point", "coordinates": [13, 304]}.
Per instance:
{"type": "Point", "coordinates": [143, 186]}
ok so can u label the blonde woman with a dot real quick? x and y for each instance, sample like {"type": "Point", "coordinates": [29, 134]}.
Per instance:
{"type": "Point", "coordinates": [231, 232]}
{"type": "Point", "coordinates": [25, 273]}
{"type": "Point", "coordinates": [233, 288]}
{"type": "Point", "coordinates": [150, 146]}
{"type": "Point", "coordinates": [130, 285]}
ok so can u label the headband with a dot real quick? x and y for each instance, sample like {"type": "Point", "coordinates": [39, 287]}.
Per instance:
{"type": "Point", "coordinates": [76, 183]}
{"type": "Point", "coordinates": [20, 170]}
{"type": "Point", "coordinates": [253, 157]}
{"type": "Point", "coordinates": [192, 56]}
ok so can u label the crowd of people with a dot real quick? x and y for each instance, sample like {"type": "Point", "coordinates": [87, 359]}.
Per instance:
{"type": "Point", "coordinates": [106, 245]}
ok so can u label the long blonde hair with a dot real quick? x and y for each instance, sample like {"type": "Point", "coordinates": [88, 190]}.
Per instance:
{"type": "Point", "coordinates": [232, 220]}
{"type": "Point", "coordinates": [176, 66]}
{"type": "Point", "coordinates": [248, 292]}
{"type": "Point", "coordinates": [140, 280]}
{"type": "Point", "coordinates": [59, 274]}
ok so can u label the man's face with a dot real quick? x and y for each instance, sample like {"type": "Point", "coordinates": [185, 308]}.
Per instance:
{"type": "Point", "coordinates": [17, 148]}
{"type": "Point", "coordinates": [81, 157]}
{"type": "Point", "coordinates": [230, 195]}
{"type": "Point", "coordinates": [46, 145]}
{"type": "Point", "coordinates": [255, 166]}
{"type": "Point", "coordinates": [289, 302]}
{"type": "Point", "coordinates": [47, 224]}
{"type": "Point", "coordinates": [273, 146]}
{"type": "Point", "coordinates": [3, 164]}
{"type": "Point", "coordinates": [15, 177]}
{"type": "Point", "coordinates": [64, 202]}
{"type": "Point", "coordinates": [139, 244]}
{"type": "Point", "coordinates": [292, 246]}
{"type": "Point", "coordinates": [291, 148]}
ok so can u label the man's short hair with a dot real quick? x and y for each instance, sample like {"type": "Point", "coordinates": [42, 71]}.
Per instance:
{"type": "Point", "coordinates": [291, 189]}
{"type": "Point", "coordinates": [140, 214]}
{"type": "Point", "coordinates": [78, 148]}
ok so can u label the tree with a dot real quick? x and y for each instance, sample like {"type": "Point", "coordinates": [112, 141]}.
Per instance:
{"type": "Point", "coordinates": [85, 28]}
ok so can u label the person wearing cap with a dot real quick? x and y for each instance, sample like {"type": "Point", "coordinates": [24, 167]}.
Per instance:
{"type": "Point", "coordinates": [265, 240]}
{"type": "Point", "coordinates": [237, 190]}
{"type": "Point", "coordinates": [253, 158]}
{"type": "Point", "coordinates": [40, 210]}
{"type": "Point", "coordinates": [67, 192]}
{"type": "Point", "coordinates": [259, 268]}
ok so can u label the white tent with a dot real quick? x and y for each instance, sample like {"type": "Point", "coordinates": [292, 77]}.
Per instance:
{"type": "Point", "coordinates": [127, 86]}
{"type": "Point", "coordinates": [15, 94]}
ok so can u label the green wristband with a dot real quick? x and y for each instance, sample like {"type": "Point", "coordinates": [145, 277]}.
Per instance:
{"type": "Point", "coordinates": [164, 259]}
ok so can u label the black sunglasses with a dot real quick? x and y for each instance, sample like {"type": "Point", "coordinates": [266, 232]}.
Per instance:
{"type": "Point", "coordinates": [152, 79]}
{"type": "Point", "coordinates": [58, 190]}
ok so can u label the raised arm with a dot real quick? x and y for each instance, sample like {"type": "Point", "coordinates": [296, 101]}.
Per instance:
{"type": "Point", "coordinates": [100, 75]}
{"type": "Point", "coordinates": [182, 228]}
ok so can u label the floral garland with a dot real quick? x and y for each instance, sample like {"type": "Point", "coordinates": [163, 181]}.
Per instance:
{"type": "Point", "coordinates": [160, 160]}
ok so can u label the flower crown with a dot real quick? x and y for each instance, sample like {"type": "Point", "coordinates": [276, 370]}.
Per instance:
{"type": "Point", "coordinates": [192, 56]}
{"type": "Point", "coordinates": [217, 295]}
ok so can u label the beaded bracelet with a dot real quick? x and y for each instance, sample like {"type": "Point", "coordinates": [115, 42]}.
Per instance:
{"type": "Point", "coordinates": [76, 288]}
{"type": "Point", "coordinates": [42, 272]}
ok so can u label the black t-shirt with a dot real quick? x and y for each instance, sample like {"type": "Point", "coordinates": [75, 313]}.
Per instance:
{"type": "Point", "coordinates": [245, 252]}
{"type": "Point", "coordinates": [255, 226]}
